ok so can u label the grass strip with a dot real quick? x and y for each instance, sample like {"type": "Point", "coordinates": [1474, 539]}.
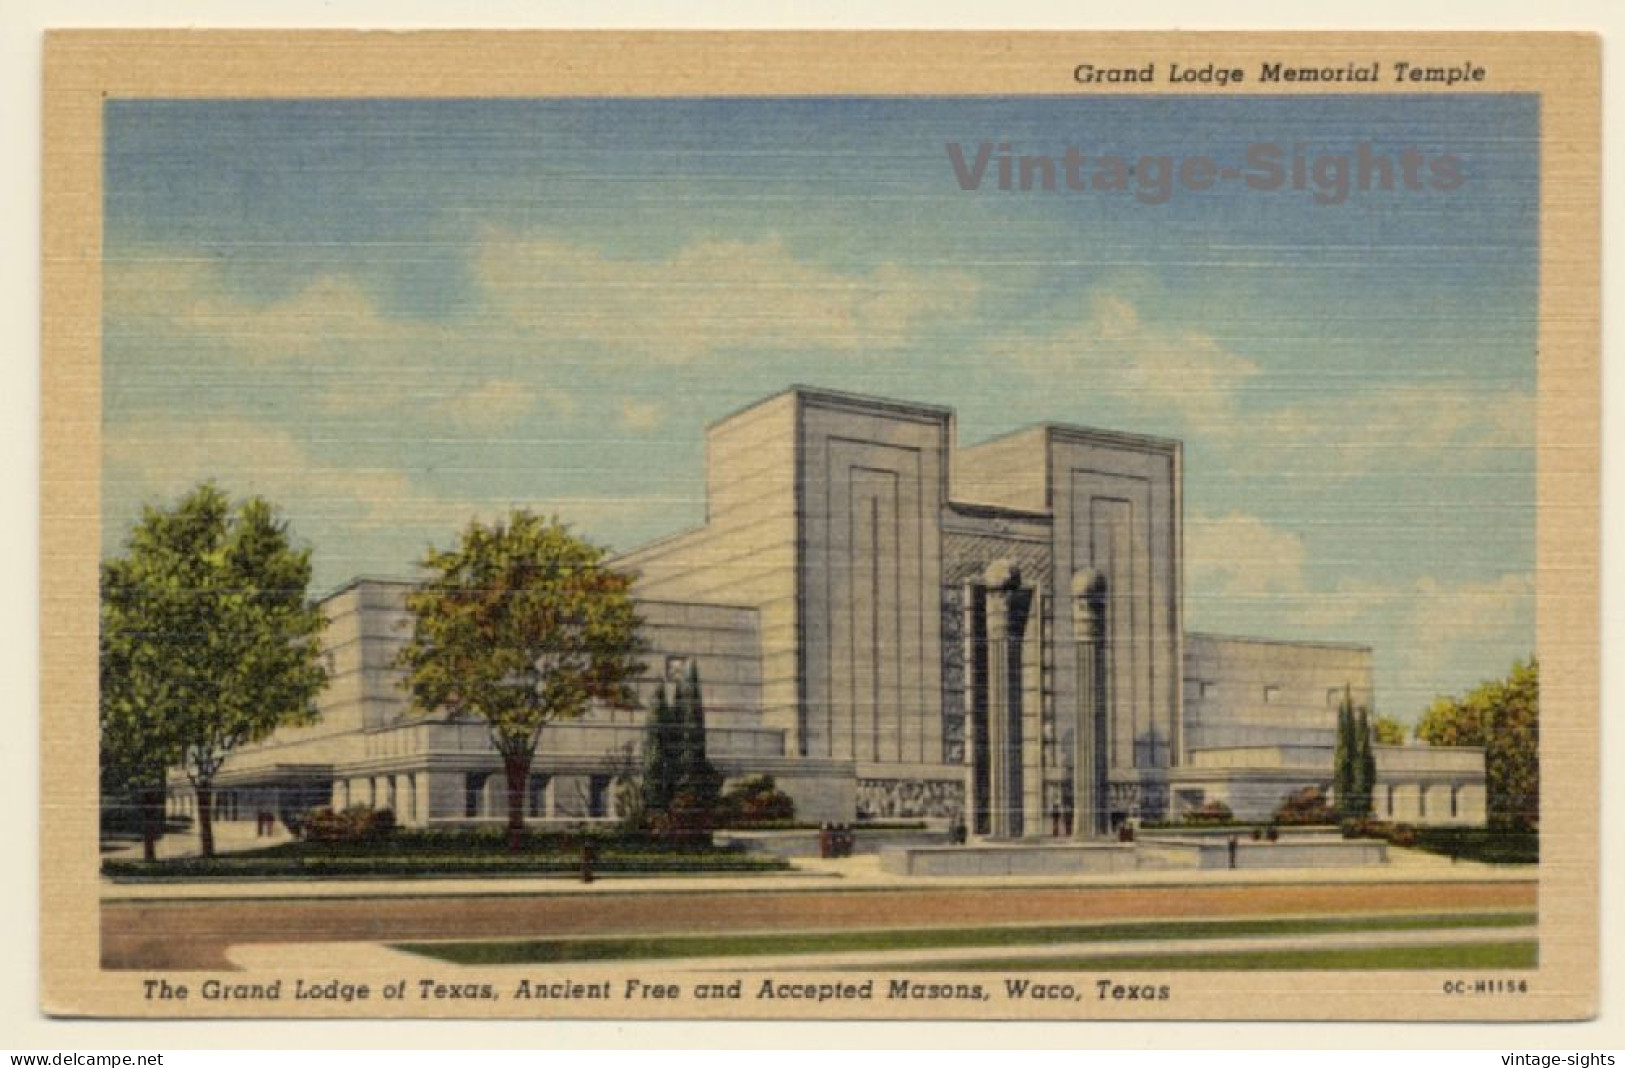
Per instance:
{"type": "Point", "coordinates": [665, 947]}
{"type": "Point", "coordinates": [406, 867]}
{"type": "Point", "coordinates": [1523, 954]}
{"type": "Point", "coordinates": [1485, 845]}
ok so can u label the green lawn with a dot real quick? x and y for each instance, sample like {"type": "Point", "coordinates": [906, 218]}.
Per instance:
{"type": "Point", "coordinates": [420, 854]}
{"type": "Point", "coordinates": [1481, 844]}
{"type": "Point", "coordinates": [1523, 954]}
{"type": "Point", "coordinates": [560, 950]}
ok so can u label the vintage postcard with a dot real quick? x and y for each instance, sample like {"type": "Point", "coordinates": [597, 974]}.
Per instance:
{"type": "Point", "coordinates": [824, 526]}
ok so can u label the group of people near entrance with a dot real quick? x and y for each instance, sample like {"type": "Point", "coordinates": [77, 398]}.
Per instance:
{"type": "Point", "coordinates": [835, 840]}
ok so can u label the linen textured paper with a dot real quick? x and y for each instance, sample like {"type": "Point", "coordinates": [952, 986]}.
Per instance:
{"type": "Point", "coordinates": [839, 526]}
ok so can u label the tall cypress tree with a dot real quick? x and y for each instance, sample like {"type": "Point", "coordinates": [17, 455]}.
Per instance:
{"type": "Point", "coordinates": [1364, 774]}
{"type": "Point", "coordinates": [1343, 758]}
{"type": "Point", "coordinates": [662, 754]}
{"type": "Point", "coordinates": [696, 775]}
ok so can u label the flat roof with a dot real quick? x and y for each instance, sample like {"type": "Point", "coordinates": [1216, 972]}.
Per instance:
{"type": "Point", "coordinates": [843, 399]}
{"type": "Point", "coordinates": [1253, 640]}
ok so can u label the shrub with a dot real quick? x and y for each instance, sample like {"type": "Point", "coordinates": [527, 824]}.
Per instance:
{"type": "Point", "coordinates": [686, 823]}
{"type": "Point", "coordinates": [1214, 811]}
{"type": "Point", "coordinates": [358, 823]}
{"type": "Point", "coordinates": [1303, 807]}
{"type": "Point", "coordinates": [321, 863]}
{"type": "Point", "coordinates": [755, 801]}
{"type": "Point", "coordinates": [1486, 845]}
{"type": "Point", "coordinates": [1399, 834]}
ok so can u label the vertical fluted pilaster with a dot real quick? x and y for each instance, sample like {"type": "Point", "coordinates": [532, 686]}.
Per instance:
{"type": "Point", "coordinates": [1008, 606]}
{"type": "Point", "coordinates": [1089, 741]}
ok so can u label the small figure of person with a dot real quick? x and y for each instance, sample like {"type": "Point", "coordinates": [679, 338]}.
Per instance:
{"type": "Point", "coordinates": [589, 857]}
{"type": "Point", "coordinates": [1235, 847]}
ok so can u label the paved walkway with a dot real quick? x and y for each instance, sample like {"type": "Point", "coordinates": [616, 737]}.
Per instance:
{"type": "Point", "coordinates": [812, 874]}
{"type": "Point", "coordinates": [370, 957]}
{"type": "Point", "coordinates": [235, 836]}
{"type": "Point", "coordinates": [179, 933]}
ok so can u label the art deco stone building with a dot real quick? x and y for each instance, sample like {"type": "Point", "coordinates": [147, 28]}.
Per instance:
{"type": "Point", "coordinates": [895, 627]}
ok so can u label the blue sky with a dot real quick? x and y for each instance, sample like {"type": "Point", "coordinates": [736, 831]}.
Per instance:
{"type": "Point", "coordinates": [389, 315]}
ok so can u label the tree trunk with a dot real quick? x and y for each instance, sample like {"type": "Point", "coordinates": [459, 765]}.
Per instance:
{"type": "Point", "coordinates": [517, 767]}
{"type": "Point", "coordinates": [205, 818]}
{"type": "Point", "coordinates": [150, 800]}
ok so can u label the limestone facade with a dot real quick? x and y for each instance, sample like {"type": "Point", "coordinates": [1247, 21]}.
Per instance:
{"type": "Point", "coordinates": [894, 628]}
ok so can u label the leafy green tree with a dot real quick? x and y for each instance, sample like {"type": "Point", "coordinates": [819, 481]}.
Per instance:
{"type": "Point", "coordinates": [1503, 716]}
{"type": "Point", "coordinates": [521, 625]}
{"type": "Point", "coordinates": [1388, 731]}
{"type": "Point", "coordinates": [136, 748]}
{"type": "Point", "coordinates": [208, 641]}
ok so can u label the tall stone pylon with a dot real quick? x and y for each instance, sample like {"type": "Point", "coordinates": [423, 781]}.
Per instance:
{"type": "Point", "coordinates": [1008, 606]}
{"type": "Point", "coordinates": [1089, 736]}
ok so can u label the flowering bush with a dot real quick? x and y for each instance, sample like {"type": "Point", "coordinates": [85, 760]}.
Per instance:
{"type": "Point", "coordinates": [754, 801]}
{"type": "Point", "coordinates": [358, 823]}
{"type": "Point", "coordinates": [1306, 806]}
{"type": "Point", "coordinates": [1211, 812]}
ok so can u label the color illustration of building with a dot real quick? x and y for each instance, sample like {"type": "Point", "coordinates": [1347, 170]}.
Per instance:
{"type": "Point", "coordinates": [895, 627]}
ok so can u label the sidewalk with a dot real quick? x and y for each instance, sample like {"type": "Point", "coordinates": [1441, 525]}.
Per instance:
{"type": "Point", "coordinates": [856, 874]}
{"type": "Point", "coordinates": [235, 836]}
{"type": "Point", "coordinates": [375, 956]}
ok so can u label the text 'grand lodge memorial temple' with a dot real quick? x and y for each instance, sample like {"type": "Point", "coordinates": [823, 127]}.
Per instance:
{"type": "Point", "coordinates": [896, 627]}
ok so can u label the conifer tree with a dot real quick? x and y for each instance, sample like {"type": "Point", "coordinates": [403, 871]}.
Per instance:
{"type": "Point", "coordinates": [696, 776]}
{"type": "Point", "coordinates": [1343, 758]}
{"type": "Point", "coordinates": [662, 746]}
{"type": "Point", "coordinates": [1364, 774]}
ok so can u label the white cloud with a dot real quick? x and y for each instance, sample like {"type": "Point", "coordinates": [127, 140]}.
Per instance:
{"type": "Point", "coordinates": [1148, 370]}
{"type": "Point", "coordinates": [156, 460]}
{"type": "Point", "coordinates": [1370, 430]}
{"type": "Point", "coordinates": [642, 416]}
{"type": "Point", "coordinates": [502, 402]}
{"type": "Point", "coordinates": [162, 458]}
{"type": "Point", "coordinates": [167, 293]}
{"type": "Point", "coordinates": [1240, 555]}
{"type": "Point", "coordinates": [710, 296]}
{"type": "Point", "coordinates": [356, 359]}
{"type": "Point", "coordinates": [1189, 383]}
{"type": "Point", "coordinates": [1490, 618]}
{"type": "Point", "coordinates": [1429, 635]}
